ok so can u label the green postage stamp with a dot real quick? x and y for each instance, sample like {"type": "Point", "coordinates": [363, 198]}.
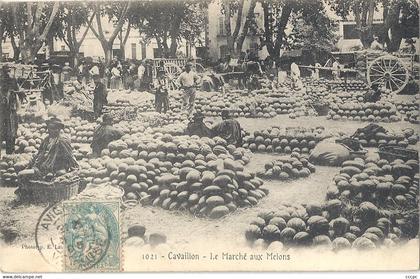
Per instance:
{"type": "Point", "coordinates": [92, 236]}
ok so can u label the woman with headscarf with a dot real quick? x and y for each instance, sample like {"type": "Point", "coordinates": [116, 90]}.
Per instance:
{"type": "Point", "coordinates": [104, 134]}
{"type": "Point", "coordinates": [55, 152]}
{"type": "Point", "coordinates": [100, 96]}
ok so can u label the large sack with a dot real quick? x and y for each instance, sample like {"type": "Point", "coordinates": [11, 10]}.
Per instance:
{"type": "Point", "coordinates": [329, 153]}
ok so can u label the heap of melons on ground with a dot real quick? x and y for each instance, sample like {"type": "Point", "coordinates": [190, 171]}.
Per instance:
{"type": "Point", "coordinates": [137, 238]}
{"type": "Point", "coordinates": [403, 139]}
{"type": "Point", "coordinates": [11, 165]}
{"type": "Point", "coordinates": [381, 111]}
{"type": "Point", "coordinates": [202, 175]}
{"type": "Point", "coordinates": [286, 140]}
{"type": "Point", "coordinates": [332, 225]}
{"type": "Point", "coordinates": [293, 167]}
{"type": "Point", "coordinates": [381, 181]}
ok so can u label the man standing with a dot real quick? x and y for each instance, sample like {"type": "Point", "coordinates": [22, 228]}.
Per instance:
{"type": "Point", "coordinates": [9, 105]}
{"type": "Point", "coordinates": [100, 96]}
{"type": "Point", "coordinates": [140, 74]}
{"type": "Point", "coordinates": [66, 73]}
{"type": "Point", "coordinates": [188, 80]}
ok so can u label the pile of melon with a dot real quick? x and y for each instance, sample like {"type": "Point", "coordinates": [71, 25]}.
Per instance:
{"type": "Point", "coordinates": [403, 139]}
{"type": "Point", "coordinates": [293, 167]}
{"type": "Point", "coordinates": [349, 84]}
{"type": "Point", "coordinates": [330, 226]}
{"type": "Point", "coordinates": [137, 238]}
{"type": "Point", "coordinates": [404, 107]}
{"type": "Point", "coordinates": [373, 112]}
{"type": "Point", "coordinates": [80, 131]}
{"type": "Point", "coordinates": [204, 176]}
{"type": "Point", "coordinates": [284, 140]}
{"type": "Point", "coordinates": [382, 182]}
{"type": "Point", "coordinates": [412, 117]}
{"type": "Point", "coordinates": [29, 137]}
{"type": "Point", "coordinates": [212, 189]}
{"type": "Point", "coordinates": [10, 165]}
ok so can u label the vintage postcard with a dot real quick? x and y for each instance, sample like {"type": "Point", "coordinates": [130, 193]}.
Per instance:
{"type": "Point", "coordinates": [209, 135]}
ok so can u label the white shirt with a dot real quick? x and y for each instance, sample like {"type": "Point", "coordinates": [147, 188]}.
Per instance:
{"type": "Point", "coordinates": [188, 79]}
{"type": "Point", "coordinates": [294, 70]}
{"type": "Point", "coordinates": [115, 72]}
{"type": "Point", "coordinates": [94, 71]}
{"type": "Point", "coordinates": [140, 71]}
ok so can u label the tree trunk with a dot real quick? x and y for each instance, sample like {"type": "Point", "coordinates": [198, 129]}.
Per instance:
{"type": "Point", "coordinates": [284, 19]}
{"type": "Point", "coordinates": [371, 13]}
{"type": "Point", "coordinates": [245, 29]}
{"type": "Point", "coordinates": [28, 54]}
{"type": "Point", "coordinates": [396, 37]}
{"type": "Point", "coordinates": [229, 40]}
{"type": "Point", "coordinates": [16, 49]}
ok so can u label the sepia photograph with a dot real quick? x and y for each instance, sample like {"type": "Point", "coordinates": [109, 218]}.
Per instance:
{"type": "Point", "coordinates": [209, 136]}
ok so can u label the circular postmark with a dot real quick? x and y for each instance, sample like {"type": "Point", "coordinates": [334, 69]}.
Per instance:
{"type": "Point", "coordinates": [91, 236]}
{"type": "Point", "coordinates": [49, 235]}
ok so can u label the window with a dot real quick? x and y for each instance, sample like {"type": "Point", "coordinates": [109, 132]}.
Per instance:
{"type": "Point", "coordinates": [63, 47]}
{"type": "Point", "coordinates": [221, 25]}
{"type": "Point", "coordinates": [143, 51]}
{"type": "Point", "coordinates": [133, 51]}
{"type": "Point", "coordinates": [350, 32]}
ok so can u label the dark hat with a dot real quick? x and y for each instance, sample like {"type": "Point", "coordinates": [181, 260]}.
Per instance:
{"type": "Point", "coordinates": [225, 113]}
{"type": "Point", "coordinates": [107, 118]}
{"type": "Point", "coordinates": [198, 115]}
{"type": "Point", "coordinates": [54, 122]}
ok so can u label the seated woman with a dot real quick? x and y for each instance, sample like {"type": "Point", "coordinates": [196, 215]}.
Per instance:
{"type": "Point", "coordinates": [198, 127]}
{"type": "Point", "coordinates": [55, 152]}
{"type": "Point", "coordinates": [229, 129]}
{"type": "Point", "coordinates": [104, 134]}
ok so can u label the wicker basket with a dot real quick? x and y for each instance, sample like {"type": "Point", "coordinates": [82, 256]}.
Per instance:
{"type": "Point", "coordinates": [35, 191]}
{"type": "Point", "coordinates": [392, 152]}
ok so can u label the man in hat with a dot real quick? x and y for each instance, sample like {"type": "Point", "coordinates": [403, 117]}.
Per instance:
{"type": "Point", "coordinates": [66, 72]}
{"type": "Point", "coordinates": [188, 80]}
{"type": "Point", "coordinates": [10, 100]}
{"type": "Point", "coordinates": [229, 129]}
{"type": "Point", "coordinates": [197, 126]}
{"type": "Point", "coordinates": [55, 152]}
{"type": "Point", "coordinates": [104, 134]}
{"type": "Point", "coordinates": [100, 96]}
{"type": "Point", "coordinates": [140, 74]}
{"type": "Point", "coordinates": [161, 91]}
{"type": "Point", "coordinates": [376, 45]}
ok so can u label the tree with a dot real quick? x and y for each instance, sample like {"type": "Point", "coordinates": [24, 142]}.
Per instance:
{"type": "Point", "coordinates": [312, 29]}
{"type": "Point", "coordinates": [363, 12]}
{"type": "Point", "coordinates": [69, 22]}
{"type": "Point", "coordinates": [33, 21]}
{"type": "Point", "coordinates": [277, 15]}
{"type": "Point", "coordinates": [169, 21]}
{"type": "Point", "coordinates": [250, 23]}
{"type": "Point", "coordinates": [116, 12]}
{"type": "Point", "coordinates": [401, 18]}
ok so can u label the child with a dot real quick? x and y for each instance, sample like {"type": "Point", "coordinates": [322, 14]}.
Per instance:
{"type": "Point", "coordinates": [161, 95]}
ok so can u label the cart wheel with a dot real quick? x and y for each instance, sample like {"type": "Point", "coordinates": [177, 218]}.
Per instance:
{"type": "Point", "coordinates": [172, 71]}
{"type": "Point", "coordinates": [388, 71]}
